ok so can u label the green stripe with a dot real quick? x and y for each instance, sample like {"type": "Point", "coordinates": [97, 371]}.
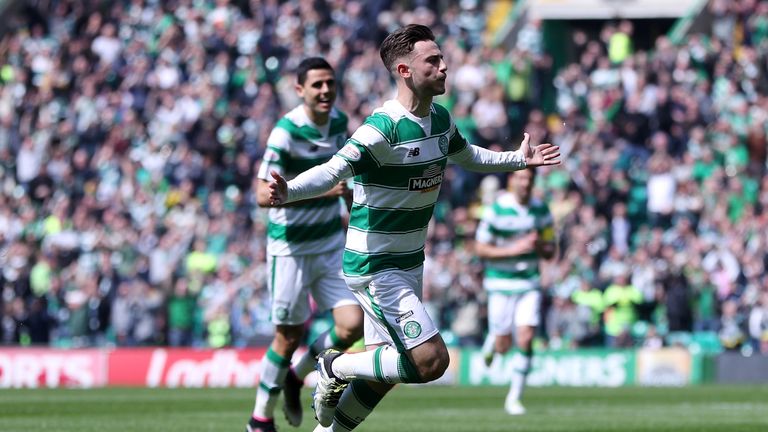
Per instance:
{"type": "Point", "coordinates": [457, 143]}
{"type": "Point", "coordinates": [356, 263]}
{"type": "Point", "coordinates": [299, 165]}
{"type": "Point", "coordinates": [539, 211]}
{"type": "Point", "coordinates": [377, 370]}
{"type": "Point", "coordinates": [304, 233]}
{"type": "Point", "coordinates": [502, 274]}
{"type": "Point", "coordinates": [380, 315]}
{"type": "Point", "coordinates": [271, 390]}
{"type": "Point", "coordinates": [365, 395]}
{"type": "Point", "coordinates": [441, 119]}
{"type": "Point", "coordinates": [408, 130]}
{"type": "Point", "coordinates": [277, 359]}
{"type": "Point", "coordinates": [308, 133]}
{"type": "Point", "coordinates": [388, 220]}
{"type": "Point", "coordinates": [315, 203]}
{"type": "Point", "coordinates": [399, 175]}
{"type": "Point", "coordinates": [399, 143]}
{"type": "Point", "coordinates": [511, 292]}
{"type": "Point", "coordinates": [344, 420]}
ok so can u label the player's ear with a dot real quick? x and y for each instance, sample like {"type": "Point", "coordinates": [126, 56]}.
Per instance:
{"type": "Point", "coordinates": [299, 90]}
{"type": "Point", "coordinates": [403, 70]}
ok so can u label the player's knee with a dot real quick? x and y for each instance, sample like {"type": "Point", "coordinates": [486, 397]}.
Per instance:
{"type": "Point", "coordinates": [434, 366]}
{"type": "Point", "coordinates": [348, 323]}
{"type": "Point", "coordinates": [524, 338]}
{"type": "Point", "coordinates": [289, 337]}
{"type": "Point", "coordinates": [503, 344]}
{"type": "Point", "coordinates": [349, 332]}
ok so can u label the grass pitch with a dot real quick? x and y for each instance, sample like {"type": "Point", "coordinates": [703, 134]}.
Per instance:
{"type": "Point", "coordinates": [423, 409]}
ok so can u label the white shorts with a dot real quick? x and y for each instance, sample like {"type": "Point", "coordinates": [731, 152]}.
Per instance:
{"type": "Point", "coordinates": [292, 278]}
{"type": "Point", "coordinates": [394, 313]}
{"type": "Point", "coordinates": [508, 311]}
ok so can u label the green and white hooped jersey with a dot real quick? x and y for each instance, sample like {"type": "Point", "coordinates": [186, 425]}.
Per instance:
{"type": "Point", "coordinates": [398, 161]}
{"type": "Point", "coordinates": [502, 223]}
{"type": "Point", "coordinates": [294, 146]}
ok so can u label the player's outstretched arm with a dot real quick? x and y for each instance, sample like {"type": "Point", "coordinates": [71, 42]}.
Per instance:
{"type": "Point", "coordinates": [474, 158]}
{"type": "Point", "coordinates": [312, 183]}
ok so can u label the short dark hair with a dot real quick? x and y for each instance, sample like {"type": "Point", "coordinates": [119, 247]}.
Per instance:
{"type": "Point", "coordinates": [309, 64]}
{"type": "Point", "coordinates": [400, 42]}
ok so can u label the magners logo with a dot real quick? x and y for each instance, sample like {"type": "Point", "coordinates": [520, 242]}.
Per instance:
{"type": "Point", "coordinates": [429, 180]}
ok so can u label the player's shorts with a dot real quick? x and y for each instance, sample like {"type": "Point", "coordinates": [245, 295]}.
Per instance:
{"type": "Point", "coordinates": [292, 278]}
{"type": "Point", "coordinates": [508, 311]}
{"type": "Point", "coordinates": [394, 313]}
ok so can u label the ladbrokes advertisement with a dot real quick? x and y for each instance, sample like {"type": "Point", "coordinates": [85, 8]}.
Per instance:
{"type": "Point", "coordinates": [169, 367]}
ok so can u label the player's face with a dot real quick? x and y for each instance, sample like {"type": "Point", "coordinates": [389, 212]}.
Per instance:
{"type": "Point", "coordinates": [428, 69]}
{"type": "Point", "coordinates": [521, 183]}
{"type": "Point", "coordinates": [318, 90]}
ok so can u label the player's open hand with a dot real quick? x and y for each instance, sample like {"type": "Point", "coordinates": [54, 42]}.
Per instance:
{"type": "Point", "coordinates": [278, 189]}
{"type": "Point", "coordinates": [542, 154]}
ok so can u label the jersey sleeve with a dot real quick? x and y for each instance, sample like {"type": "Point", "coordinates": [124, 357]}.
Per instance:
{"type": "Point", "coordinates": [277, 155]}
{"type": "Point", "coordinates": [456, 141]}
{"type": "Point", "coordinates": [368, 147]}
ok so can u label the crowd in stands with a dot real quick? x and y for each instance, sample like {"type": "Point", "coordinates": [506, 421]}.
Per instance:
{"type": "Point", "coordinates": [130, 133]}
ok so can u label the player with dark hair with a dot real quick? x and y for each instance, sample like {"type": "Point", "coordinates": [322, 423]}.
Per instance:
{"type": "Point", "coordinates": [515, 232]}
{"type": "Point", "coordinates": [397, 158]}
{"type": "Point", "coordinates": [305, 242]}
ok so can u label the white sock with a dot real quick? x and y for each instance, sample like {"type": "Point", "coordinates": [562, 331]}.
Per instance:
{"type": "Point", "coordinates": [521, 365]}
{"type": "Point", "coordinates": [273, 370]}
{"type": "Point", "coordinates": [307, 362]}
{"type": "Point", "coordinates": [384, 364]}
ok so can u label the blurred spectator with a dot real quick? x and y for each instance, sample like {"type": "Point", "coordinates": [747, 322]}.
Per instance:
{"type": "Point", "coordinates": [758, 324]}
{"type": "Point", "coordinates": [590, 304]}
{"type": "Point", "coordinates": [620, 301]}
{"type": "Point", "coordinates": [731, 326]}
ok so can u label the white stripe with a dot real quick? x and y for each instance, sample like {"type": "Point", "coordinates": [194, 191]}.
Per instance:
{"type": "Point", "coordinates": [366, 242]}
{"type": "Point", "coordinates": [283, 248]}
{"type": "Point", "coordinates": [512, 265]}
{"type": "Point", "coordinates": [393, 198]}
{"type": "Point", "coordinates": [491, 284]}
{"type": "Point", "coordinates": [514, 223]}
{"type": "Point", "coordinates": [301, 216]}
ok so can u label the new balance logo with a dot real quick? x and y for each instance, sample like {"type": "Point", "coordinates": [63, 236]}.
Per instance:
{"type": "Point", "coordinates": [413, 152]}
